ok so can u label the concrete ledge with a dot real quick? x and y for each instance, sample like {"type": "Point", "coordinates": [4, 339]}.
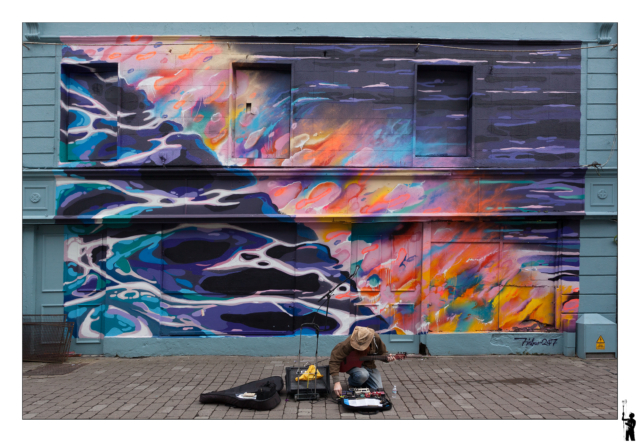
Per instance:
{"type": "Point", "coordinates": [569, 344]}
{"type": "Point", "coordinates": [467, 344]}
{"type": "Point", "coordinates": [236, 346]}
{"type": "Point", "coordinates": [445, 344]}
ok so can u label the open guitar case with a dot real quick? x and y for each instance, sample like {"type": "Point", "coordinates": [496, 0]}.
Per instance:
{"type": "Point", "coordinates": [368, 410]}
{"type": "Point", "coordinates": [267, 395]}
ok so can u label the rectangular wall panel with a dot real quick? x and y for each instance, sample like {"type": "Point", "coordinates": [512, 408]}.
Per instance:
{"type": "Point", "coordinates": [407, 256]}
{"type": "Point", "coordinates": [369, 254]}
{"type": "Point", "coordinates": [464, 286]}
{"type": "Point", "coordinates": [267, 279]}
{"type": "Point", "coordinates": [263, 105]}
{"type": "Point", "coordinates": [52, 266]}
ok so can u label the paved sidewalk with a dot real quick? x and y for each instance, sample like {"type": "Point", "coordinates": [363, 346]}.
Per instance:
{"type": "Point", "coordinates": [478, 387]}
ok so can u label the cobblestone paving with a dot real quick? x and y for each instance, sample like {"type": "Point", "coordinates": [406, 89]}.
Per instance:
{"type": "Point", "coordinates": [478, 387]}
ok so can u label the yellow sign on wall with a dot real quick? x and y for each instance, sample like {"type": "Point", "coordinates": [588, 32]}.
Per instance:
{"type": "Point", "coordinates": [600, 343]}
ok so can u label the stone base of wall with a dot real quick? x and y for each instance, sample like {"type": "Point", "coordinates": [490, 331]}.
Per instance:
{"type": "Point", "coordinates": [467, 344]}
{"type": "Point", "coordinates": [443, 344]}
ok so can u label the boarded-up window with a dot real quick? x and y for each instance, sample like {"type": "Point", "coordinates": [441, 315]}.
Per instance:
{"type": "Point", "coordinates": [442, 111]}
{"type": "Point", "coordinates": [263, 112]}
{"type": "Point", "coordinates": [89, 117]}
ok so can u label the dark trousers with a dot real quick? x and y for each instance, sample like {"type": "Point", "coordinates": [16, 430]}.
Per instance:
{"type": "Point", "coordinates": [631, 434]}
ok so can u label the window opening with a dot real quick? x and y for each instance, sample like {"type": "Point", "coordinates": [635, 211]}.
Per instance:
{"type": "Point", "coordinates": [90, 100]}
{"type": "Point", "coordinates": [443, 108]}
{"type": "Point", "coordinates": [263, 111]}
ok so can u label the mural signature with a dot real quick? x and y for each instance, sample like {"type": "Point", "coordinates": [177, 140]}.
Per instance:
{"type": "Point", "coordinates": [531, 342]}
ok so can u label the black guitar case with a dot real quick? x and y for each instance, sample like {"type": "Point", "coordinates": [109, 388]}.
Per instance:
{"type": "Point", "coordinates": [266, 390]}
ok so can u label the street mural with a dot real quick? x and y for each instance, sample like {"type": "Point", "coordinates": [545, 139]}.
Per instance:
{"type": "Point", "coordinates": [267, 279]}
{"type": "Point", "coordinates": [184, 102]}
{"type": "Point", "coordinates": [160, 138]}
{"type": "Point", "coordinates": [143, 193]}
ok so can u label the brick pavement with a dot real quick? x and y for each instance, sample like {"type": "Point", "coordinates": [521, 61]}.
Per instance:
{"type": "Point", "coordinates": [475, 387]}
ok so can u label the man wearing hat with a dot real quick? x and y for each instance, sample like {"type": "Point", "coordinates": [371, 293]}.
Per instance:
{"type": "Point", "coordinates": [367, 342]}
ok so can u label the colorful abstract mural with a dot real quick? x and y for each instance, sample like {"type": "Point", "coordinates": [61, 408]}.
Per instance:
{"type": "Point", "coordinates": [266, 279]}
{"type": "Point", "coordinates": [222, 189]}
{"type": "Point", "coordinates": [142, 193]}
{"type": "Point", "coordinates": [202, 279]}
{"type": "Point", "coordinates": [183, 102]}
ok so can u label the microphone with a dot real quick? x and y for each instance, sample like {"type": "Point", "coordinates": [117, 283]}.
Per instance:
{"type": "Point", "coordinates": [333, 289]}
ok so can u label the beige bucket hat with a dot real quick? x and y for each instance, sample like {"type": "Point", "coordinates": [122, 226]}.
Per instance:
{"type": "Point", "coordinates": [361, 338]}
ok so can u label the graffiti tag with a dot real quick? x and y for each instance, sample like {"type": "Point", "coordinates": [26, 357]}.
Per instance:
{"type": "Point", "coordinates": [531, 342]}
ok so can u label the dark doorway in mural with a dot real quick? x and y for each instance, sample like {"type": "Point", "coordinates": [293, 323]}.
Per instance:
{"type": "Point", "coordinates": [89, 111]}
{"type": "Point", "coordinates": [443, 106]}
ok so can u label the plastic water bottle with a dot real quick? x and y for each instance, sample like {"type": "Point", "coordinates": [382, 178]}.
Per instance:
{"type": "Point", "coordinates": [394, 392]}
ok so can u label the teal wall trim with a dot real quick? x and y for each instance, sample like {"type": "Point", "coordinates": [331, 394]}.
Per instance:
{"type": "Point", "coordinates": [597, 303]}
{"type": "Point", "coordinates": [253, 346]}
{"type": "Point", "coordinates": [601, 247]}
{"type": "Point", "coordinates": [28, 269]}
{"type": "Point", "coordinates": [604, 36]}
{"type": "Point", "coordinates": [38, 197]}
{"type": "Point", "coordinates": [42, 269]}
{"type": "Point", "coordinates": [464, 344]}
{"type": "Point", "coordinates": [598, 267]}
{"type": "Point", "coordinates": [598, 123]}
{"type": "Point", "coordinates": [569, 344]}
{"type": "Point", "coordinates": [587, 32]}
{"type": "Point", "coordinates": [601, 191]}
{"type": "Point", "coordinates": [468, 344]}
{"type": "Point", "coordinates": [599, 110]}
{"type": "Point", "coordinates": [40, 96]}
{"type": "Point", "coordinates": [33, 31]}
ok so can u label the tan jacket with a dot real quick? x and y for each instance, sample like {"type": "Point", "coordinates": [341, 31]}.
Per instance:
{"type": "Point", "coordinates": [342, 350]}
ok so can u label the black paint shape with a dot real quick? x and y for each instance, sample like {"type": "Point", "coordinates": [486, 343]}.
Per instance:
{"type": "Point", "coordinates": [98, 254]}
{"type": "Point", "coordinates": [251, 281]}
{"type": "Point", "coordinates": [485, 139]}
{"type": "Point", "coordinates": [547, 156]}
{"type": "Point", "coordinates": [100, 200]}
{"type": "Point", "coordinates": [253, 203]}
{"type": "Point", "coordinates": [278, 321]}
{"type": "Point", "coordinates": [196, 251]}
{"type": "Point", "coordinates": [303, 254]}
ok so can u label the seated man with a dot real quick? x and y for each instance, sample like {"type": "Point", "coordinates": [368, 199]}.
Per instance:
{"type": "Point", "coordinates": [363, 341]}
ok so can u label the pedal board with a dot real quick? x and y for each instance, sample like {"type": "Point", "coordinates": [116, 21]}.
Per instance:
{"type": "Point", "coordinates": [356, 393]}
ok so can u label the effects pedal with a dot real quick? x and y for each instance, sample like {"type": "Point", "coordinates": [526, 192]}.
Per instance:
{"type": "Point", "coordinates": [376, 395]}
{"type": "Point", "coordinates": [364, 393]}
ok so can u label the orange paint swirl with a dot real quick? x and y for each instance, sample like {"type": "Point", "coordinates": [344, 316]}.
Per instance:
{"type": "Point", "coordinates": [221, 87]}
{"type": "Point", "coordinates": [146, 56]}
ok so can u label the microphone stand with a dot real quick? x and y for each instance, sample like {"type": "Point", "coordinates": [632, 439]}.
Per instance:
{"type": "Point", "coordinates": [330, 293]}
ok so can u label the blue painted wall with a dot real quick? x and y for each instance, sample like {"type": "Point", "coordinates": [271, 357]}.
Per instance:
{"type": "Point", "coordinates": [586, 32]}
{"type": "Point", "coordinates": [598, 269]}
